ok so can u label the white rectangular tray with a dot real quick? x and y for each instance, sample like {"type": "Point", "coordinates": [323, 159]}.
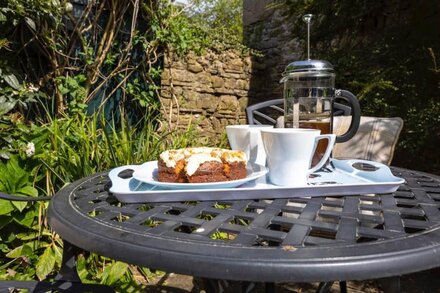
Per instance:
{"type": "Point", "coordinates": [341, 177]}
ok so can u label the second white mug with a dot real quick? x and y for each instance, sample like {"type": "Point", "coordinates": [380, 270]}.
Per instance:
{"type": "Point", "coordinates": [290, 151]}
{"type": "Point", "coordinates": [248, 139]}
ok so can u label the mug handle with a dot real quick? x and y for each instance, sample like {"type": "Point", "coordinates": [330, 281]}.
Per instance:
{"type": "Point", "coordinates": [355, 114]}
{"type": "Point", "coordinates": [257, 154]}
{"type": "Point", "coordinates": [253, 145]}
{"type": "Point", "coordinates": [331, 141]}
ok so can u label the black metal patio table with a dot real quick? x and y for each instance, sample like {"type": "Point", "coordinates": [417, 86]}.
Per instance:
{"type": "Point", "coordinates": [318, 239]}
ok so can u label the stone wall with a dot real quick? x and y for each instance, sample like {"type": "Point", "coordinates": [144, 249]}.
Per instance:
{"type": "Point", "coordinates": [208, 91]}
{"type": "Point", "coordinates": [213, 90]}
{"type": "Point", "coordinates": [269, 31]}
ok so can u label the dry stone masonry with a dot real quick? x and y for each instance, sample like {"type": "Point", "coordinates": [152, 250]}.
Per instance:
{"type": "Point", "coordinates": [207, 92]}
{"type": "Point", "coordinates": [213, 90]}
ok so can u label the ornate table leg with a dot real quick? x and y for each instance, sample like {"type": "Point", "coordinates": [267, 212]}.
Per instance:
{"type": "Point", "coordinates": [67, 279]}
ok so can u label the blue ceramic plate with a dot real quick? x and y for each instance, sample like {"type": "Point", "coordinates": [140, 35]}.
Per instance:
{"type": "Point", "coordinates": [147, 173]}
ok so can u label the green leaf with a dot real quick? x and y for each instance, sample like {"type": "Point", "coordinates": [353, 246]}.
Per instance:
{"type": "Point", "coordinates": [23, 250]}
{"type": "Point", "coordinates": [3, 17]}
{"type": "Point", "coordinates": [20, 205]}
{"type": "Point", "coordinates": [13, 176]}
{"type": "Point", "coordinates": [45, 263]}
{"type": "Point", "coordinates": [26, 218]}
{"type": "Point", "coordinates": [6, 105]}
{"type": "Point", "coordinates": [113, 273]}
{"type": "Point", "coordinates": [6, 207]}
{"type": "Point", "coordinates": [81, 267]}
{"type": "Point", "coordinates": [28, 190]}
{"type": "Point", "coordinates": [4, 154]}
{"type": "Point", "coordinates": [58, 251]}
{"type": "Point", "coordinates": [12, 81]}
{"type": "Point", "coordinates": [4, 220]}
{"type": "Point", "coordinates": [31, 23]}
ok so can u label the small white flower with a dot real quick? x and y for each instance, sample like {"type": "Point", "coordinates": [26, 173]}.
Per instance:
{"type": "Point", "coordinates": [30, 149]}
{"type": "Point", "coordinates": [33, 88]}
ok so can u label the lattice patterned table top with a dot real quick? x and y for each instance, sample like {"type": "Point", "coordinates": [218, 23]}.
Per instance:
{"type": "Point", "coordinates": [306, 239]}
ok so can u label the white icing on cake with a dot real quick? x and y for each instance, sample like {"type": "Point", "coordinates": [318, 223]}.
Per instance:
{"type": "Point", "coordinates": [234, 156]}
{"type": "Point", "coordinates": [194, 161]}
{"type": "Point", "coordinates": [194, 157]}
{"type": "Point", "coordinates": [171, 157]}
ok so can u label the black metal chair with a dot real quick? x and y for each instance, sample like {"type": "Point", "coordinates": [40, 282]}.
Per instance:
{"type": "Point", "coordinates": [67, 279]}
{"type": "Point", "coordinates": [267, 112]}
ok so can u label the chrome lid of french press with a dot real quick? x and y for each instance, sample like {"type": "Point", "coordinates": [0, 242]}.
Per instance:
{"type": "Point", "coordinates": [308, 65]}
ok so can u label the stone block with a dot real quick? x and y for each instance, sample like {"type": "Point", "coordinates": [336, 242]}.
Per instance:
{"type": "Point", "coordinates": [230, 83]}
{"type": "Point", "coordinates": [241, 93]}
{"type": "Point", "coordinates": [228, 103]}
{"type": "Point", "coordinates": [165, 102]}
{"type": "Point", "coordinates": [188, 100]}
{"type": "Point", "coordinates": [232, 74]}
{"type": "Point", "coordinates": [242, 84]}
{"type": "Point", "coordinates": [217, 81]}
{"type": "Point", "coordinates": [165, 92]}
{"type": "Point", "coordinates": [179, 75]}
{"type": "Point", "coordinates": [165, 77]}
{"type": "Point", "coordinates": [243, 103]}
{"type": "Point", "coordinates": [208, 102]}
{"type": "Point", "coordinates": [195, 67]}
{"type": "Point", "coordinates": [202, 79]}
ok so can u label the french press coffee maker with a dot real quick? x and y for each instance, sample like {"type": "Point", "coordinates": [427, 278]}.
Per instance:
{"type": "Point", "coordinates": [309, 98]}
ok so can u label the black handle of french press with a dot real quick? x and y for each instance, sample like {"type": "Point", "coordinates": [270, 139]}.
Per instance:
{"type": "Point", "coordinates": [355, 114]}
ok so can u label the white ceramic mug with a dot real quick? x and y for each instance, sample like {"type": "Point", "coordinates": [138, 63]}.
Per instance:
{"type": "Point", "coordinates": [248, 139]}
{"type": "Point", "coordinates": [290, 151]}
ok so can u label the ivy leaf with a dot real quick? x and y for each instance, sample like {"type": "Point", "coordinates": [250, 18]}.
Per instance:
{"type": "Point", "coordinates": [45, 263]}
{"type": "Point", "coordinates": [114, 272]}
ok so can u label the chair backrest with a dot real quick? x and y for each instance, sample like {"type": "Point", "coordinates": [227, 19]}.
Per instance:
{"type": "Point", "coordinates": [375, 139]}
{"type": "Point", "coordinates": [268, 112]}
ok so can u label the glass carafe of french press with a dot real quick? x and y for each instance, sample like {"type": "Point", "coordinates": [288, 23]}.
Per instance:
{"type": "Point", "coordinates": [309, 98]}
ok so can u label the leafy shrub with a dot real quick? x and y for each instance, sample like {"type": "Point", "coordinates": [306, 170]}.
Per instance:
{"type": "Point", "coordinates": [390, 60]}
{"type": "Point", "coordinates": [78, 95]}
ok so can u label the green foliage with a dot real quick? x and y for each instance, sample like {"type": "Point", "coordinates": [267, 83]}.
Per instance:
{"type": "Point", "coordinates": [15, 94]}
{"type": "Point", "coordinates": [15, 180]}
{"type": "Point", "coordinates": [89, 59]}
{"type": "Point", "coordinates": [66, 149]}
{"type": "Point", "coordinates": [62, 75]}
{"type": "Point", "coordinates": [222, 20]}
{"type": "Point", "coordinates": [390, 62]}
{"type": "Point", "coordinates": [173, 29]}
{"type": "Point", "coordinates": [73, 88]}
{"type": "Point", "coordinates": [22, 231]}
